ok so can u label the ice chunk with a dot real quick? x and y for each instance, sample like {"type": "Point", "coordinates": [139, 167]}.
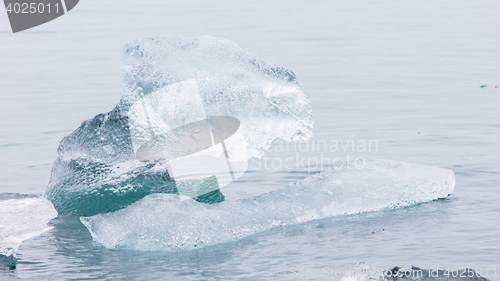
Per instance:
{"type": "Point", "coordinates": [166, 82]}
{"type": "Point", "coordinates": [231, 82]}
{"type": "Point", "coordinates": [162, 222]}
{"type": "Point", "coordinates": [22, 217]}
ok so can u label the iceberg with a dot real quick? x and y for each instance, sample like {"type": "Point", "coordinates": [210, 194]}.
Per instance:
{"type": "Point", "coordinates": [163, 222]}
{"type": "Point", "coordinates": [115, 159]}
{"type": "Point", "coordinates": [23, 217]}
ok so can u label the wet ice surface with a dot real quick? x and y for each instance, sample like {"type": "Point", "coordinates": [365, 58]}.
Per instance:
{"type": "Point", "coordinates": [22, 217]}
{"type": "Point", "coordinates": [168, 82]}
{"type": "Point", "coordinates": [163, 222]}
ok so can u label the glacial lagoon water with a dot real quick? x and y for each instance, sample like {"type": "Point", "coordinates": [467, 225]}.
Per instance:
{"type": "Point", "coordinates": [406, 77]}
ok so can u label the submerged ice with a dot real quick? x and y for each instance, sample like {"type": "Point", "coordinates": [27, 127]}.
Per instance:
{"type": "Point", "coordinates": [22, 217]}
{"type": "Point", "coordinates": [97, 169]}
{"type": "Point", "coordinates": [163, 222]}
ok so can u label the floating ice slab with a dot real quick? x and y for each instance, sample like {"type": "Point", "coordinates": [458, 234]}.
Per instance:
{"type": "Point", "coordinates": [163, 222]}
{"type": "Point", "coordinates": [165, 82]}
{"type": "Point", "coordinates": [22, 217]}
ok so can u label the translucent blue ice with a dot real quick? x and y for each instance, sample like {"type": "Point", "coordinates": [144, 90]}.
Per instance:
{"type": "Point", "coordinates": [22, 217]}
{"type": "Point", "coordinates": [97, 170]}
{"type": "Point", "coordinates": [163, 222]}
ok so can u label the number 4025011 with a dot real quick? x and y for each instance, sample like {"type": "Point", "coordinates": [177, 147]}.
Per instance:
{"type": "Point", "coordinates": [32, 8]}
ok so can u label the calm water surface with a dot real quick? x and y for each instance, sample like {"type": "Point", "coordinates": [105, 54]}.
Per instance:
{"type": "Point", "coordinates": [406, 75]}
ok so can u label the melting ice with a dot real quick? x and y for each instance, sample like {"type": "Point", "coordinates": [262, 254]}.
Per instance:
{"type": "Point", "coordinates": [22, 217]}
{"type": "Point", "coordinates": [162, 222]}
{"type": "Point", "coordinates": [97, 170]}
